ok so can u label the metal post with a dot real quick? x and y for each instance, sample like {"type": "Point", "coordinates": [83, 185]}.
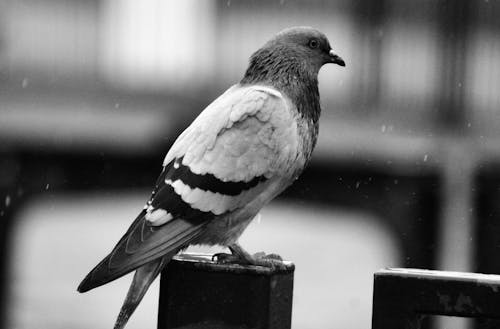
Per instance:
{"type": "Point", "coordinates": [403, 297]}
{"type": "Point", "coordinates": [198, 293]}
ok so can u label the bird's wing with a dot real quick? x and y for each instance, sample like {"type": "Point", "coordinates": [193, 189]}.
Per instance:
{"type": "Point", "coordinates": [222, 161]}
{"type": "Point", "coordinates": [234, 149]}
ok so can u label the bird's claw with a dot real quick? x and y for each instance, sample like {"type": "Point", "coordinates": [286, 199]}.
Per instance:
{"type": "Point", "coordinates": [225, 258]}
{"type": "Point", "coordinates": [263, 255]}
{"type": "Point", "coordinates": [273, 261]}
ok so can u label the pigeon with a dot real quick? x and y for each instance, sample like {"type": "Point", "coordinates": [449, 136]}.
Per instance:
{"type": "Point", "coordinates": [243, 149]}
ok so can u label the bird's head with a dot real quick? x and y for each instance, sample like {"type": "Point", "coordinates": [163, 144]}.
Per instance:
{"type": "Point", "coordinates": [295, 51]}
{"type": "Point", "coordinates": [308, 43]}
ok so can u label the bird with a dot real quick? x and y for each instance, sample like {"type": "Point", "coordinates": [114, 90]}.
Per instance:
{"type": "Point", "coordinates": [240, 152]}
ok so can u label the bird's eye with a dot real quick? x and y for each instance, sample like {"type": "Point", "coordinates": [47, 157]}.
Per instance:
{"type": "Point", "coordinates": [313, 44]}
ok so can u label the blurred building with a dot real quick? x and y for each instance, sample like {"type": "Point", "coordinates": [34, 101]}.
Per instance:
{"type": "Point", "coordinates": [398, 53]}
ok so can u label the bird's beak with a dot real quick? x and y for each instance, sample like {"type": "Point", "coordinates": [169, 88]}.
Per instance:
{"type": "Point", "coordinates": [336, 59]}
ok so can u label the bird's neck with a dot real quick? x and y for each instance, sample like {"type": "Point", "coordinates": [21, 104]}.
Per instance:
{"type": "Point", "coordinates": [289, 75]}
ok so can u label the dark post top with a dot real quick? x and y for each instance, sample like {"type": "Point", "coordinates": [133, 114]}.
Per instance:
{"type": "Point", "coordinates": [402, 297]}
{"type": "Point", "coordinates": [205, 262]}
{"type": "Point", "coordinates": [196, 292]}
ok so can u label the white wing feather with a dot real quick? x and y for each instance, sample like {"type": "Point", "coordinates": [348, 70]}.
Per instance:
{"type": "Point", "coordinates": [245, 133]}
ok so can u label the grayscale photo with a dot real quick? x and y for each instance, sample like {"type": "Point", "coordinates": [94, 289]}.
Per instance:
{"type": "Point", "coordinates": [231, 164]}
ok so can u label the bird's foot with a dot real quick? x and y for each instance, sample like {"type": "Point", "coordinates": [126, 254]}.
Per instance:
{"type": "Point", "coordinates": [273, 261]}
{"type": "Point", "coordinates": [239, 256]}
{"type": "Point", "coordinates": [225, 258]}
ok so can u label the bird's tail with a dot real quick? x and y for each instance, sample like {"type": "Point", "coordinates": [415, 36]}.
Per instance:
{"type": "Point", "coordinates": [143, 278]}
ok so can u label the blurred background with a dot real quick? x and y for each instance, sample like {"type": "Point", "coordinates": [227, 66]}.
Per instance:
{"type": "Point", "coordinates": [93, 93]}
